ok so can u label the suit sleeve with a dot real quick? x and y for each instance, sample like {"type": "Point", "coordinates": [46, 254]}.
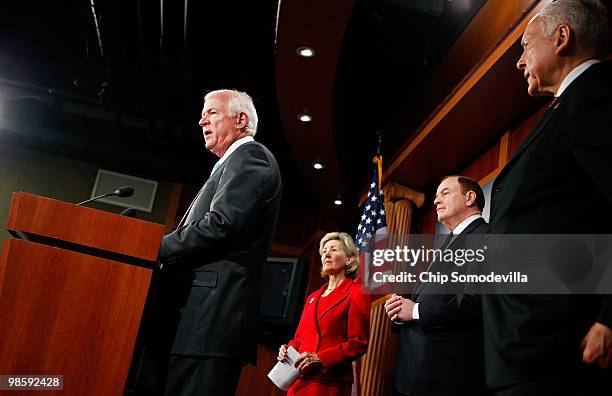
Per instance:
{"type": "Point", "coordinates": [236, 203]}
{"type": "Point", "coordinates": [460, 311]}
{"type": "Point", "coordinates": [358, 332]}
{"type": "Point", "coordinates": [593, 151]}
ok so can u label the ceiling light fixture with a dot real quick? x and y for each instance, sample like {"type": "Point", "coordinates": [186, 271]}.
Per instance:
{"type": "Point", "coordinates": [338, 202]}
{"type": "Point", "coordinates": [305, 117]}
{"type": "Point", "coordinates": [305, 52]}
{"type": "Point", "coordinates": [317, 165]}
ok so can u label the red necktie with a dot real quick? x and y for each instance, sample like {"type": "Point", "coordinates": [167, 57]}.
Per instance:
{"type": "Point", "coordinates": [553, 103]}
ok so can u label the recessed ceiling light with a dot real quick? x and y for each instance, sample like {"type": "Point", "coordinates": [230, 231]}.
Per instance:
{"type": "Point", "coordinates": [305, 117]}
{"type": "Point", "coordinates": [338, 202]}
{"type": "Point", "coordinates": [305, 52]}
{"type": "Point", "coordinates": [318, 166]}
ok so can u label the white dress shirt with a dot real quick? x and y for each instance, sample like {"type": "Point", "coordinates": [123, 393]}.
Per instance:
{"type": "Point", "coordinates": [230, 150]}
{"type": "Point", "coordinates": [571, 76]}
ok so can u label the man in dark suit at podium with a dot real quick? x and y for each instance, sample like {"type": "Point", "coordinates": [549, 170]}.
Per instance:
{"type": "Point", "coordinates": [215, 255]}
{"type": "Point", "coordinates": [558, 182]}
{"type": "Point", "coordinates": [441, 346]}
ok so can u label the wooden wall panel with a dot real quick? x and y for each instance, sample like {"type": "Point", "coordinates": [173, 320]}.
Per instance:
{"type": "Point", "coordinates": [254, 380]}
{"type": "Point", "coordinates": [425, 219]}
{"type": "Point", "coordinates": [485, 164]}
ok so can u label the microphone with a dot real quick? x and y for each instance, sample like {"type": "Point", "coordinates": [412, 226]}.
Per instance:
{"type": "Point", "coordinates": [129, 212]}
{"type": "Point", "coordinates": [125, 191]}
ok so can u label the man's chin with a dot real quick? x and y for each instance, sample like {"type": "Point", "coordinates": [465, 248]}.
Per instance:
{"type": "Point", "coordinates": [534, 90]}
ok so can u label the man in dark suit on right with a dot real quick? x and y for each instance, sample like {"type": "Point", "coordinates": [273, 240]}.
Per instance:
{"type": "Point", "coordinates": [558, 182]}
{"type": "Point", "coordinates": [440, 351]}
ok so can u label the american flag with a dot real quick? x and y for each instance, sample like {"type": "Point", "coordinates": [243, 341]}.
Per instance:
{"type": "Point", "coordinates": [371, 234]}
{"type": "Point", "coordinates": [372, 229]}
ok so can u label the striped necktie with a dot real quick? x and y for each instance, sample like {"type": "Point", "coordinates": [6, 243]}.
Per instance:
{"type": "Point", "coordinates": [554, 103]}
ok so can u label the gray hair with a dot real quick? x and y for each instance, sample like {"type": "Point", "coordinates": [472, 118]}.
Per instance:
{"type": "Point", "coordinates": [587, 18]}
{"type": "Point", "coordinates": [239, 102]}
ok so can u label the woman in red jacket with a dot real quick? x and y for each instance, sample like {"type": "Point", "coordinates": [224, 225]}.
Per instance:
{"type": "Point", "coordinates": [335, 324]}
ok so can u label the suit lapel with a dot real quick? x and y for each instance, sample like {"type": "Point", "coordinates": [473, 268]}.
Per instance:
{"type": "Point", "coordinates": [433, 266]}
{"type": "Point", "coordinates": [471, 227]}
{"type": "Point", "coordinates": [537, 131]}
{"type": "Point", "coordinates": [468, 230]}
{"type": "Point", "coordinates": [497, 210]}
{"type": "Point", "coordinates": [336, 297]}
{"type": "Point", "coordinates": [182, 222]}
{"type": "Point", "coordinates": [215, 175]}
{"type": "Point", "coordinates": [214, 178]}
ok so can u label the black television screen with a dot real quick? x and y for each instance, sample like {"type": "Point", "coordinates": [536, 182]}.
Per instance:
{"type": "Point", "coordinates": [281, 284]}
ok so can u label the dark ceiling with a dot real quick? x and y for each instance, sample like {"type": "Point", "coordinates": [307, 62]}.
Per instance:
{"type": "Point", "coordinates": [389, 51]}
{"type": "Point", "coordinates": [126, 91]}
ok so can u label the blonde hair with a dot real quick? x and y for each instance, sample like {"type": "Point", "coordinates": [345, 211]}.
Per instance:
{"type": "Point", "coordinates": [352, 269]}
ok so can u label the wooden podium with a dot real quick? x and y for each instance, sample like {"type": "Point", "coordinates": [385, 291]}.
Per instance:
{"type": "Point", "coordinates": [72, 291]}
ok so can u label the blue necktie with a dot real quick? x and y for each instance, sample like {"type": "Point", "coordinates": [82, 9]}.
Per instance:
{"type": "Point", "coordinates": [217, 165]}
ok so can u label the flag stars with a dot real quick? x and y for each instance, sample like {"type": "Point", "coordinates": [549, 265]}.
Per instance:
{"type": "Point", "coordinates": [372, 219]}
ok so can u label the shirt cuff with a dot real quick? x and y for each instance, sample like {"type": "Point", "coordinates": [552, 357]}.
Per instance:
{"type": "Point", "coordinates": [415, 311]}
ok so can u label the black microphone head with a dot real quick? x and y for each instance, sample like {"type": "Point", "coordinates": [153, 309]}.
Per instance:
{"type": "Point", "coordinates": [125, 191]}
{"type": "Point", "coordinates": [129, 212]}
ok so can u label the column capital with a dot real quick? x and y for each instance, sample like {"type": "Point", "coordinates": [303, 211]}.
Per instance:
{"type": "Point", "coordinates": [395, 192]}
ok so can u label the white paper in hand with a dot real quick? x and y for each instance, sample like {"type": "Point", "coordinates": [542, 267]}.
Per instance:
{"type": "Point", "coordinates": [283, 374]}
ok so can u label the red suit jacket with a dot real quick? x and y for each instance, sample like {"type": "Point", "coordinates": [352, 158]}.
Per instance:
{"type": "Point", "coordinates": [335, 327]}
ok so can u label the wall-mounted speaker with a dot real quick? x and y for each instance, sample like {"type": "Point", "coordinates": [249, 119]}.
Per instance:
{"type": "Point", "coordinates": [144, 190]}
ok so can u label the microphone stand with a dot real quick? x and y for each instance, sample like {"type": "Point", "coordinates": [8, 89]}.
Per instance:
{"type": "Point", "coordinates": [95, 198]}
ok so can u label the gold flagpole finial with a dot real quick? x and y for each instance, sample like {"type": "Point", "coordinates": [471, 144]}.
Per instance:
{"type": "Point", "coordinates": [378, 158]}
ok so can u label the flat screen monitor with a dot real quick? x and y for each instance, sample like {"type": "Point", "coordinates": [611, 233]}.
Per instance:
{"type": "Point", "coordinates": [281, 287]}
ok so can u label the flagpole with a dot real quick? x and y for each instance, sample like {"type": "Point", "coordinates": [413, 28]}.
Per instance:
{"type": "Point", "coordinates": [378, 158]}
